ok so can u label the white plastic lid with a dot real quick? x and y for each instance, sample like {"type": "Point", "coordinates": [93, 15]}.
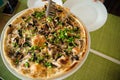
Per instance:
{"type": "Point", "coordinates": [92, 14]}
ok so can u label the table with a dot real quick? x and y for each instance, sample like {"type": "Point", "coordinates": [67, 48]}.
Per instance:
{"type": "Point", "coordinates": [105, 41]}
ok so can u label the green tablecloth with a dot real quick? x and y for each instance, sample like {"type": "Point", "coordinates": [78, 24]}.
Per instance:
{"type": "Point", "coordinates": [105, 40]}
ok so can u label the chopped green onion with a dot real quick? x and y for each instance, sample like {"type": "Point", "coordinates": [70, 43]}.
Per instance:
{"type": "Point", "coordinates": [70, 40]}
{"type": "Point", "coordinates": [14, 44]}
{"type": "Point", "coordinates": [56, 40]}
{"type": "Point", "coordinates": [77, 36]}
{"type": "Point", "coordinates": [39, 15]}
{"type": "Point", "coordinates": [31, 59]}
{"type": "Point", "coordinates": [47, 55]}
{"type": "Point", "coordinates": [60, 23]}
{"type": "Point", "coordinates": [63, 33]}
{"type": "Point", "coordinates": [35, 48]}
{"type": "Point", "coordinates": [72, 44]}
{"type": "Point", "coordinates": [76, 29]}
{"type": "Point", "coordinates": [17, 61]}
{"type": "Point", "coordinates": [59, 55]}
{"type": "Point", "coordinates": [49, 19]}
{"type": "Point", "coordinates": [45, 44]}
{"type": "Point", "coordinates": [26, 44]}
{"type": "Point", "coordinates": [69, 48]}
{"type": "Point", "coordinates": [28, 19]}
{"type": "Point", "coordinates": [48, 64]}
{"type": "Point", "coordinates": [55, 34]}
{"type": "Point", "coordinates": [39, 59]}
{"type": "Point", "coordinates": [27, 65]}
{"type": "Point", "coordinates": [33, 54]}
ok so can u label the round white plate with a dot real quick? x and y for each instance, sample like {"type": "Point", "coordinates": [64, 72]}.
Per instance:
{"type": "Point", "coordinates": [92, 14]}
{"type": "Point", "coordinates": [22, 77]}
{"type": "Point", "coordinates": [39, 3]}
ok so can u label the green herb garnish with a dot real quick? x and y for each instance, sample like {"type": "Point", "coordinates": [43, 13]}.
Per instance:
{"type": "Point", "coordinates": [49, 19]}
{"type": "Point", "coordinates": [59, 55]}
{"type": "Point", "coordinates": [39, 15]}
{"type": "Point", "coordinates": [62, 34]}
{"type": "Point", "coordinates": [27, 65]}
{"type": "Point", "coordinates": [70, 40]}
{"type": "Point", "coordinates": [17, 61]}
{"type": "Point", "coordinates": [28, 19]}
{"type": "Point", "coordinates": [48, 64]}
{"type": "Point", "coordinates": [26, 44]}
{"type": "Point", "coordinates": [35, 48]}
{"type": "Point", "coordinates": [15, 44]}
{"type": "Point", "coordinates": [31, 59]}
{"type": "Point", "coordinates": [60, 23]}
{"type": "Point", "coordinates": [39, 59]}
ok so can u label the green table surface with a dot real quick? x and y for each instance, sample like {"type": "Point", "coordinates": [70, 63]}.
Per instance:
{"type": "Point", "coordinates": [105, 40]}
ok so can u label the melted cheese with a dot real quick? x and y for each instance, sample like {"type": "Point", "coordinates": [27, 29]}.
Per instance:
{"type": "Point", "coordinates": [38, 40]}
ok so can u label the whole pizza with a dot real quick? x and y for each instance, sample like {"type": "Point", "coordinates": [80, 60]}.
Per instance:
{"type": "Point", "coordinates": [43, 47]}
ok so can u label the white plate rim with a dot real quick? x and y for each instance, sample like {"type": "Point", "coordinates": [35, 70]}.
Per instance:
{"type": "Point", "coordinates": [24, 77]}
{"type": "Point", "coordinates": [101, 10]}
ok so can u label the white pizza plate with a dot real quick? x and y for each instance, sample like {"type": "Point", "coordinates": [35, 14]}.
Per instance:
{"type": "Point", "coordinates": [24, 77]}
{"type": "Point", "coordinates": [39, 3]}
{"type": "Point", "coordinates": [92, 14]}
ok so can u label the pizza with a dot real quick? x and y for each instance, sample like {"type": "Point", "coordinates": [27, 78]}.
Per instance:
{"type": "Point", "coordinates": [43, 47]}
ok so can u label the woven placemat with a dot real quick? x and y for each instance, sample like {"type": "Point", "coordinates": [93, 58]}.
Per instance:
{"type": "Point", "coordinates": [107, 38]}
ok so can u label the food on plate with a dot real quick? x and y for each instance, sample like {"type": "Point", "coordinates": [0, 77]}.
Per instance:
{"type": "Point", "coordinates": [43, 47]}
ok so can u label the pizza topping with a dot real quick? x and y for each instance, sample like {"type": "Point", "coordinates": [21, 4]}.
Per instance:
{"type": "Point", "coordinates": [39, 15]}
{"type": "Point", "coordinates": [39, 59]}
{"type": "Point", "coordinates": [23, 17]}
{"type": "Point", "coordinates": [76, 50]}
{"type": "Point", "coordinates": [27, 65]}
{"type": "Point", "coordinates": [38, 40]}
{"type": "Point", "coordinates": [49, 19]}
{"type": "Point", "coordinates": [48, 64]}
{"type": "Point", "coordinates": [75, 57]}
{"type": "Point", "coordinates": [17, 62]}
{"type": "Point", "coordinates": [56, 64]}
